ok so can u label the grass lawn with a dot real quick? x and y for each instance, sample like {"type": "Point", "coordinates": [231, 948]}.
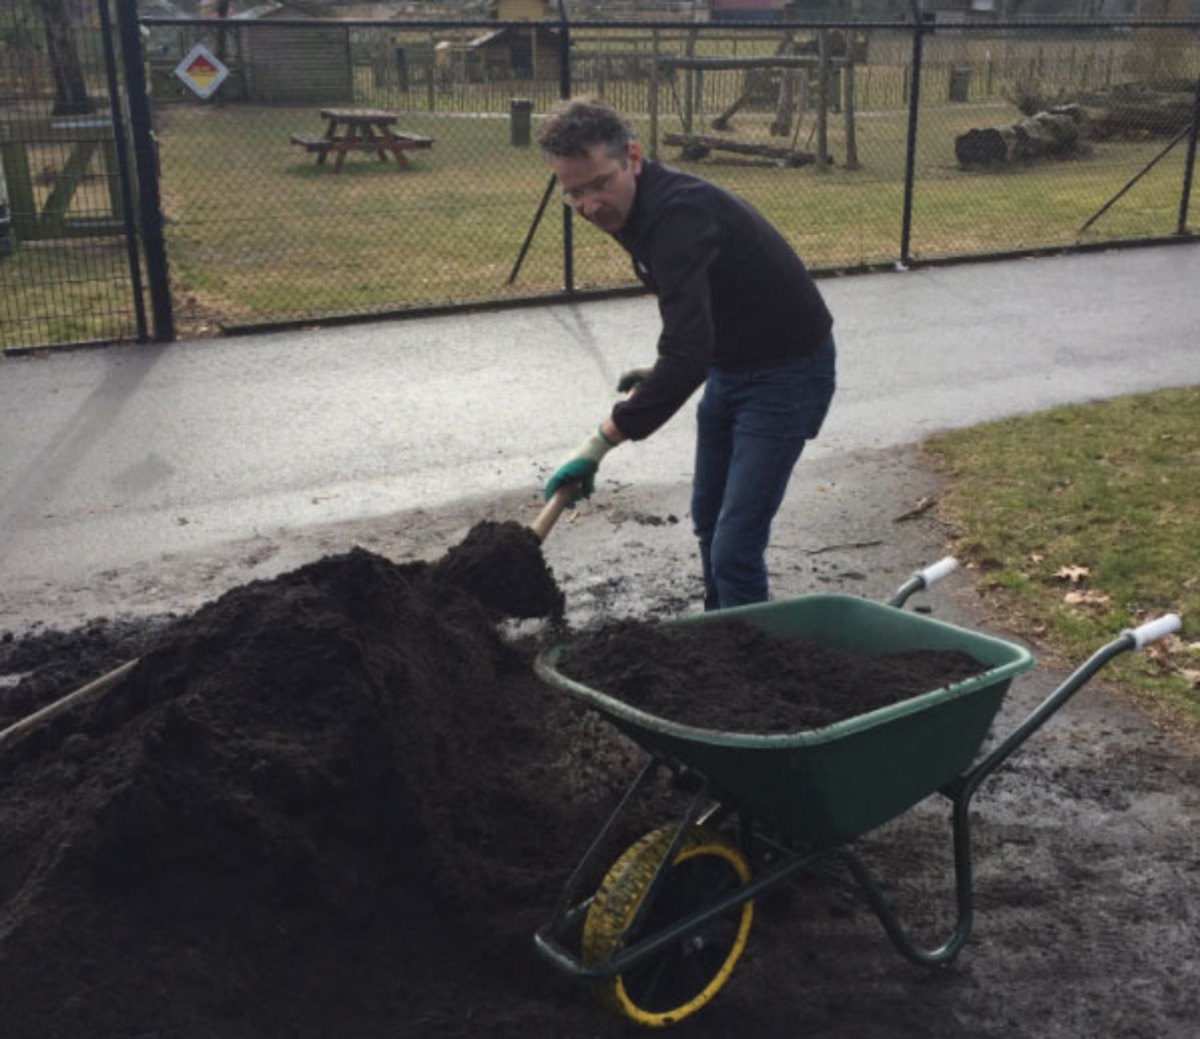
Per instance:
{"type": "Point", "coordinates": [1084, 520]}
{"type": "Point", "coordinates": [258, 232]}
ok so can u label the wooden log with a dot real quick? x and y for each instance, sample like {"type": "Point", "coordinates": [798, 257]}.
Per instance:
{"type": "Point", "coordinates": [721, 122]}
{"type": "Point", "coordinates": [698, 146]}
{"type": "Point", "coordinates": [1158, 116]}
{"type": "Point", "coordinates": [1047, 134]}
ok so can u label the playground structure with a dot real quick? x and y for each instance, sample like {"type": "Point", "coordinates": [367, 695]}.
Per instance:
{"type": "Point", "coordinates": [60, 154]}
{"type": "Point", "coordinates": [822, 78]}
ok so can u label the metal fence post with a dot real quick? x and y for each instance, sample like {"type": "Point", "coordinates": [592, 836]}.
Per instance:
{"type": "Point", "coordinates": [1189, 166]}
{"type": "Point", "coordinates": [564, 91]}
{"type": "Point", "coordinates": [146, 162]}
{"type": "Point", "coordinates": [914, 103]}
{"type": "Point", "coordinates": [124, 201]}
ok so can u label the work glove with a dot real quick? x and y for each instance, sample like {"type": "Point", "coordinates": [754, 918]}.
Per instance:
{"type": "Point", "coordinates": [579, 467]}
{"type": "Point", "coordinates": [629, 380]}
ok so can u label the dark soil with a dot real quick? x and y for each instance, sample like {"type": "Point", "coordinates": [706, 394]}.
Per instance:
{"type": "Point", "coordinates": [338, 803]}
{"type": "Point", "coordinates": [733, 677]}
{"type": "Point", "coordinates": [501, 565]}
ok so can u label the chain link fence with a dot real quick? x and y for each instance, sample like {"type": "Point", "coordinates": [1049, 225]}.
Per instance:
{"type": "Point", "coordinates": [65, 226]}
{"type": "Point", "coordinates": [363, 168]}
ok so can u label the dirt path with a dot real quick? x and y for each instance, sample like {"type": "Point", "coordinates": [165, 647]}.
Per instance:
{"type": "Point", "coordinates": [242, 862]}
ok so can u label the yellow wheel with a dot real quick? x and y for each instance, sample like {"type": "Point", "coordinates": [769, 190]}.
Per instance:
{"type": "Point", "coordinates": [683, 976]}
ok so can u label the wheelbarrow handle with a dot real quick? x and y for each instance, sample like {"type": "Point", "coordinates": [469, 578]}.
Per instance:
{"type": "Point", "coordinates": [936, 571]}
{"type": "Point", "coordinates": [1152, 631]}
{"type": "Point", "coordinates": [1129, 639]}
{"type": "Point", "coordinates": [923, 579]}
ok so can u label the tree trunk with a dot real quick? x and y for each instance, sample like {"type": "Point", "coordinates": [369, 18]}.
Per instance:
{"type": "Point", "coordinates": [222, 42]}
{"type": "Point", "coordinates": [70, 88]}
{"type": "Point", "coordinates": [1134, 109]}
{"type": "Point", "coordinates": [697, 146]}
{"type": "Point", "coordinates": [1041, 135]}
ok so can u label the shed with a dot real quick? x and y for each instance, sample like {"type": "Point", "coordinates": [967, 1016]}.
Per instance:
{"type": "Point", "coordinates": [286, 64]}
{"type": "Point", "coordinates": [515, 52]}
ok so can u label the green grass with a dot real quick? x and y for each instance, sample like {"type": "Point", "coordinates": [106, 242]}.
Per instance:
{"type": "Point", "coordinates": [259, 232]}
{"type": "Point", "coordinates": [64, 292]}
{"type": "Point", "coordinates": [1084, 520]}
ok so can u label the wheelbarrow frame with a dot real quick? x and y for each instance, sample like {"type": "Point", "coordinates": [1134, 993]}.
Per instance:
{"type": "Point", "coordinates": [775, 859]}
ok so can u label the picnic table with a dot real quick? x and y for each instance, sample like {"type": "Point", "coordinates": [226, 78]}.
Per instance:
{"type": "Point", "coordinates": [360, 130]}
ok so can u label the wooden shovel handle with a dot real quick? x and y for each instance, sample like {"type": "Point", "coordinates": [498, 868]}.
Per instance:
{"type": "Point", "coordinates": [92, 689]}
{"type": "Point", "coordinates": [558, 502]}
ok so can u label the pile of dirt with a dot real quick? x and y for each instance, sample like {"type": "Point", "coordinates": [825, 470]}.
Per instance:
{"type": "Point", "coordinates": [340, 803]}
{"type": "Point", "coordinates": [501, 565]}
{"type": "Point", "coordinates": [308, 768]}
{"type": "Point", "coordinates": [733, 677]}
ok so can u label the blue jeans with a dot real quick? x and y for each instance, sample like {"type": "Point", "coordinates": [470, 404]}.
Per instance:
{"type": "Point", "coordinates": [751, 428]}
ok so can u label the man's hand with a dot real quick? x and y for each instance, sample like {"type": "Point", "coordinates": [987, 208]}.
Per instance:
{"type": "Point", "coordinates": [580, 467]}
{"type": "Point", "coordinates": [629, 380]}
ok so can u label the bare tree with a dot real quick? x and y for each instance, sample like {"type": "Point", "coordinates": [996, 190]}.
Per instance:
{"type": "Point", "coordinates": [70, 87]}
{"type": "Point", "coordinates": [222, 12]}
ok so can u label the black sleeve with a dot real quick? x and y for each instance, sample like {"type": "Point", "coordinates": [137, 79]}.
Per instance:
{"type": "Point", "coordinates": [683, 250]}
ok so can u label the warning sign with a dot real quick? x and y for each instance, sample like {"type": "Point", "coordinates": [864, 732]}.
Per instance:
{"type": "Point", "coordinates": [202, 70]}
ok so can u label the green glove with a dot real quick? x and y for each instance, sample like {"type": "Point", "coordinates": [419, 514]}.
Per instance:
{"type": "Point", "coordinates": [580, 467]}
{"type": "Point", "coordinates": [630, 379]}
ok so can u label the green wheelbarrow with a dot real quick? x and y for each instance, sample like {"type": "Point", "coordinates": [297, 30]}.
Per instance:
{"type": "Point", "coordinates": [664, 929]}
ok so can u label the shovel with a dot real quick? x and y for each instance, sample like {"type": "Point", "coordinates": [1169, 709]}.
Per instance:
{"type": "Point", "coordinates": [558, 503]}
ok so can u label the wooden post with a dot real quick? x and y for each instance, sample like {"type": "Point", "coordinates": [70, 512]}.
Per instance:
{"type": "Point", "coordinates": [851, 139]}
{"type": "Point", "coordinates": [654, 72]}
{"type": "Point", "coordinates": [785, 104]}
{"type": "Point", "coordinates": [822, 101]}
{"type": "Point", "coordinates": [22, 206]}
{"type": "Point", "coordinates": [430, 99]}
{"type": "Point", "coordinates": [54, 211]}
{"type": "Point", "coordinates": [689, 49]}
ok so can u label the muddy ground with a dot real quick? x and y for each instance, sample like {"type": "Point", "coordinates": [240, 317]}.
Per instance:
{"type": "Point", "coordinates": [336, 802]}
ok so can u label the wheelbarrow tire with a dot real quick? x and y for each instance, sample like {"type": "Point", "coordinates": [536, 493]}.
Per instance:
{"type": "Point", "coordinates": [682, 977]}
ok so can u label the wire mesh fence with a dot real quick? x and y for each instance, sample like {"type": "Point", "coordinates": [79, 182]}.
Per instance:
{"type": "Point", "coordinates": [350, 168]}
{"type": "Point", "coordinates": [65, 274]}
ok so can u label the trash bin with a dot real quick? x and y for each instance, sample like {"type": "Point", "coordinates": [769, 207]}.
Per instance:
{"type": "Point", "coordinates": [520, 111]}
{"type": "Point", "coordinates": [960, 82]}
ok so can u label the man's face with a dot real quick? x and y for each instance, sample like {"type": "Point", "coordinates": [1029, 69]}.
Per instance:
{"type": "Point", "coordinates": [599, 187]}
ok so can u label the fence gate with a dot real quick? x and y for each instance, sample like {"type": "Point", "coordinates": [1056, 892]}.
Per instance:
{"type": "Point", "coordinates": [70, 266]}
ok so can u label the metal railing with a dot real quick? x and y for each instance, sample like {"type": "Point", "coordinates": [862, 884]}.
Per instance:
{"type": "Point", "coordinates": [870, 144]}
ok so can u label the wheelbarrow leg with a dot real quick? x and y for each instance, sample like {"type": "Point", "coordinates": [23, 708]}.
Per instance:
{"type": "Point", "coordinates": [963, 789]}
{"type": "Point", "coordinates": [562, 907]}
{"type": "Point", "coordinates": [945, 952]}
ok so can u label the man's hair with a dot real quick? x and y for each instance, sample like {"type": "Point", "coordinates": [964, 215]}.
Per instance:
{"type": "Point", "coordinates": [574, 127]}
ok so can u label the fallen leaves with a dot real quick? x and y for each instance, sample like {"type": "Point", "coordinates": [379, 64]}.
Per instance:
{"type": "Point", "coordinates": [922, 506]}
{"type": "Point", "coordinates": [1074, 574]}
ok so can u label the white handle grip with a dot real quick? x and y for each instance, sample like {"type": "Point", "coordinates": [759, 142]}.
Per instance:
{"type": "Point", "coordinates": [938, 570]}
{"type": "Point", "coordinates": [1154, 630]}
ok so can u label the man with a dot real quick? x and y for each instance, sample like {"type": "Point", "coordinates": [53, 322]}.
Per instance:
{"type": "Point", "coordinates": [740, 315]}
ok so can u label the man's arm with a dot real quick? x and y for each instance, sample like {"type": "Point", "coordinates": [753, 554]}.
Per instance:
{"type": "Point", "coordinates": [684, 247]}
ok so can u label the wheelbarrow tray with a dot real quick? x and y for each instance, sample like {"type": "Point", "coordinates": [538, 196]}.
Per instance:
{"type": "Point", "coordinates": [828, 785]}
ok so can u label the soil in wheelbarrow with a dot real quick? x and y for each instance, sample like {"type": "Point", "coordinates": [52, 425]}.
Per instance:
{"type": "Point", "coordinates": [733, 677]}
{"type": "Point", "coordinates": [338, 803]}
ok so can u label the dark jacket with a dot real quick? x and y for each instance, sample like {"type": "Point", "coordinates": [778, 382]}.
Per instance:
{"type": "Point", "coordinates": [731, 291]}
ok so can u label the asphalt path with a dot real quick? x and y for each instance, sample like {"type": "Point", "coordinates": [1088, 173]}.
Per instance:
{"type": "Point", "coordinates": [127, 455]}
